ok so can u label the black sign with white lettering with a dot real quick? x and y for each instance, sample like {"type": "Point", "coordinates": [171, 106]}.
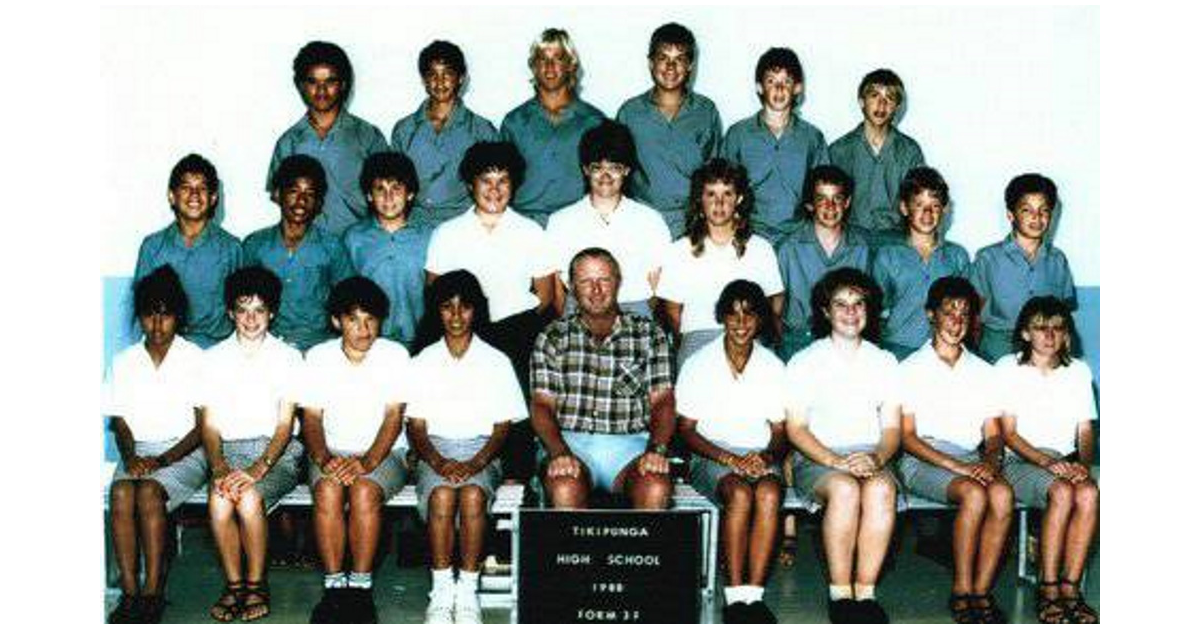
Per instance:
{"type": "Point", "coordinates": [617, 566]}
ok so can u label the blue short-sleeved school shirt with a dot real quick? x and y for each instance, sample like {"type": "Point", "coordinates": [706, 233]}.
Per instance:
{"type": "Point", "coordinates": [876, 177]}
{"type": "Point", "coordinates": [396, 262]}
{"type": "Point", "coordinates": [904, 278]}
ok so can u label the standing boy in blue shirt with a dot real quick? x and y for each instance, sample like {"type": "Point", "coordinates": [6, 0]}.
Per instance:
{"type": "Point", "coordinates": [308, 260]}
{"type": "Point", "coordinates": [199, 250]}
{"type": "Point", "coordinates": [777, 148]}
{"type": "Point", "coordinates": [877, 156]}
{"type": "Point", "coordinates": [905, 269]}
{"type": "Point", "coordinates": [339, 140]}
{"type": "Point", "coordinates": [676, 130]}
{"type": "Point", "coordinates": [1022, 266]}
{"type": "Point", "coordinates": [436, 136]}
{"type": "Point", "coordinates": [547, 128]}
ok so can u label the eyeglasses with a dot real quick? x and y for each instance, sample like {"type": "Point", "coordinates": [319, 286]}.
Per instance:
{"type": "Point", "coordinates": [607, 168]}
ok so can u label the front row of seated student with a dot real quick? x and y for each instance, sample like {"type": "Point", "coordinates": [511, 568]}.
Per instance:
{"type": "Point", "coordinates": [247, 407]}
{"type": "Point", "coordinates": [458, 433]}
{"type": "Point", "coordinates": [1048, 416]}
{"type": "Point", "coordinates": [731, 405]}
{"type": "Point", "coordinates": [603, 400]}
{"type": "Point", "coordinates": [151, 405]}
{"type": "Point", "coordinates": [353, 400]}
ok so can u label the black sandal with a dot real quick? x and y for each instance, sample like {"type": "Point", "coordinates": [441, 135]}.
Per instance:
{"type": "Point", "coordinates": [1077, 609]}
{"type": "Point", "coordinates": [260, 606]}
{"type": "Point", "coordinates": [986, 609]}
{"type": "Point", "coordinates": [152, 607]}
{"type": "Point", "coordinates": [960, 608]}
{"type": "Point", "coordinates": [229, 605]}
{"type": "Point", "coordinates": [126, 610]}
{"type": "Point", "coordinates": [1050, 610]}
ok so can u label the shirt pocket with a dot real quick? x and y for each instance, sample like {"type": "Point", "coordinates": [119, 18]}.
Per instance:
{"type": "Point", "coordinates": [628, 382]}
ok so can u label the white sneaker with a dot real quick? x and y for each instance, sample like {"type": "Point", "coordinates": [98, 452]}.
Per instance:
{"type": "Point", "coordinates": [466, 605]}
{"type": "Point", "coordinates": [441, 605]}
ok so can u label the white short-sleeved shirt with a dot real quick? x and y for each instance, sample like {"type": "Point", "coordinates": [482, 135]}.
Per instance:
{"type": "Point", "coordinates": [353, 398]}
{"type": "Point", "coordinates": [949, 403]}
{"type": "Point", "coordinates": [734, 410]}
{"type": "Point", "coordinates": [696, 283]}
{"type": "Point", "coordinates": [460, 398]}
{"type": "Point", "coordinates": [242, 391]}
{"type": "Point", "coordinates": [842, 394]}
{"type": "Point", "coordinates": [505, 260]}
{"type": "Point", "coordinates": [157, 403]}
{"type": "Point", "coordinates": [1048, 407]}
{"type": "Point", "coordinates": [634, 234]}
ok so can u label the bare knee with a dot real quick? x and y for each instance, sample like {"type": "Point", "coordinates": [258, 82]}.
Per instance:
{"type": "Point", "coordinates": [121, 498]}
{"type": "Point", "coordinates": [879, 493]}
{"type": "Point", "coordinates": [472, 501]}
{"type": "Point", "coordinates": [150, 497]}
{"type": "Point", "coordinates": [651, 492]}
{"type": "Point", "coordinates": [328, 498]}
{"type": "Point", "coordinates": [768, 494]}
{"type": "Point", "coordinates": [365, 496]}
{"type": "Point", "coordinates": [443, 502]}
{"type": "Point", "coordinates": [736, 494]}
{"type": "Point", "coordinates": [1000, 499]}
{"type": "Point", "coordinates": [566, 492]}
{"type": "Point", "coordinates": [973, 498]}
{"type": "Point", "coordinates": [1087, 496]}
{"type": "Point", "coordinates": [842, 493]}
{"type": "Point", "coordinates": [1061, 495]}
{"type": "Point", "coordinates": [250, 504]}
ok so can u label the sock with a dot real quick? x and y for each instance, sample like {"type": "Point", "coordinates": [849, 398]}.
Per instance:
{"type": "Point", "coordinates": [752, 594]}
{"type": "Point", "coordinates": [864, 592]}
{"type": "Point", "coordinates": [733, 595]}
{"type": "Point", "coordinates": [359, 580]}
{"type": "Point", "coordinates": [335, 580]}
{"type": "Point", "coordinates": [468, 580]}
{"type": "Point", "coordinates": [443, 578]}
{"type": "Point", "coordinates": [840, 591]}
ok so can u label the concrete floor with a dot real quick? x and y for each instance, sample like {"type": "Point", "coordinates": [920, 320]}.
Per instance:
{"type": "Point", "coordinates": [913, 589]}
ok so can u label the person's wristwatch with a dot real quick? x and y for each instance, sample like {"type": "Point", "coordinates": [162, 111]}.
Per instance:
{"type": "Point", "coordinates": [162, 461]}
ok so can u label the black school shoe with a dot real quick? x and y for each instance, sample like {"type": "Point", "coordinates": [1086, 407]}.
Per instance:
{"type": "Point", "coordinates": [869, 611]}
{"type": "Point", "coordinates": [359, 606]}
{"type": "Point", "coordinates": [738, 612]}
{"type": "Point", "coordinates": [843, 611]}
{"type": "Point", "coordinates": [128, 610]}
{"type": "Point", "coordinates": [150, 608]}
{"type": "Point", "coordinates": [759, 613]}
{"type": "Point", "coordinates": [329, 609]}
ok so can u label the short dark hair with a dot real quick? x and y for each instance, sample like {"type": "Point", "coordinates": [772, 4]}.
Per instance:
{"type": "Point", "coordinates": [358, 292]}
{"type": "Point", "coordinates": [779, 59]}
{"type": "Point", "coordinates": [752, 294]}
{"type": "Point", "coordinates": [444, 52]}
{"type": "Point", "coordinates": [1029, 184]}
{"type": "Point", "coordinates": [713, 171]}
{"type": "Point", "coordinates": [825, 174]}
{"type": "Point", "coordinates": [845, 278]}
{"type": "Point", "coordinates": [673, 34]}
{"type": "Point", "coordinates": [318, 53]}
{"type": "Point", "coordinates": [459, 283]}
{"type": "Point", "coordinates": [608, 141]}
{"type": "Point", "coordinates": [300, 166]}
{"type": "Point", "coordinates": [593, 252]}
{"type": "Point", "coordinates": [388, 165]}
{"type": "Point", "coordinates": [1043, 307]}
{"type": "Point", "coordinates": [954, 288]}
{"type": "Point", "coordinates": [886, 78]}
{"type": "Point", "coordinates": [161, 291]}
{"type": "Point", "coordinates": [194, 163]}
{"type": "Point", "coordinates": [253, 281]}
{"type": "Point", "coordinates": [924, 178]}
{"type": "Point", "coordinates": [492, 156]}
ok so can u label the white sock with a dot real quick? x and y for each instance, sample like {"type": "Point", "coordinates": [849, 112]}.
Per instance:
{"type": "Point", "coordinates": [864, 592]}
{"type": "Point", "coordinates": [335, 580]}
{"type": "Point", "coordinates": [752, 594]}
{"type": "Point", "coordinates": [840, 591]}
{"type": "Point", "coordinates": [359, 580]}
{"type": "Point", "coordinates": [468, 580]}
{"type": "Point", "coordinates": [443, 578]}
{"type": "Point", "coordinates": [733, 595]}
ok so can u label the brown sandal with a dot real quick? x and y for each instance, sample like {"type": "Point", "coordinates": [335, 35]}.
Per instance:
{"type": "Point", "coordinates": [960, 608]}
{"type": "Point", "coordinates": [1050, 610]}
{"type": "Point", "coordinates": [256, 601]}
{"type": "Point", "coordinates": [229, 605]}
{"type": "Point", "coordinates": [1077, 609]}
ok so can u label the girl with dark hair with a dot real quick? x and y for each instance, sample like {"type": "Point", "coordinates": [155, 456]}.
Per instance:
{"type": "Point", "coordinates": [719, 248]}
{"type": "Point", "coordinates": [152, 416]}
{"type": "Point", "coordinates": [730, 399]}
{"type": "Point", "coordinates": [466, 396]}
{"type": "Point", "coordinates": [1047, 425]}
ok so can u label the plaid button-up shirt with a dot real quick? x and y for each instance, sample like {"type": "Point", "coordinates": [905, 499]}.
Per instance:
{"type": "Point", "coordinates": [601, 387]}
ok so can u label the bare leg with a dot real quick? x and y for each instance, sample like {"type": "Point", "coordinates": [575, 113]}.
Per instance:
{"type": "Point", "coordinates": [443, 504]}
{"type": "Point", "coordinates": [994, 536]}
{"type": "Point", "coordinates": [121, 514]}
{"type": "Point", "coordinates": [768, 495]}
{"type": "Point", "coordinates": [839, 528]}
{"type": "Point", "coordinates": [971, 498]}
{"type": "Point", "coordinates": [152, 526]}
{"type": "Point", "coordinates": [648, 491]}
{"type": "Point", "coordinates": [253, 519]}
{"type": "Point", "coordinates": [1081, 530]}
{"type": "Point", "coordinates": [472, 509]}
{"type": "Point", "coordinates": [568, 492]}
{"type": "Point", "coordinates": [1054, 529]}
{"type": "Point", "coordinates": [366, 518]}
{"type": "Point", "coordinates": [226, 536]}
{"type": "Point", "coordinates": [875, 528]}
{"type": "Point", "coordinates": [329, 524]}
{"type": "Point", "coordinates": [737, 495]}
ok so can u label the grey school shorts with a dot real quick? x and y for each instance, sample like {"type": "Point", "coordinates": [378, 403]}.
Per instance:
{"type": "Point", "coordinates": [809, 473]}
{"type": "Point", "coordinates": [389, 475]}
{"type": "Point", "coordinates": [179, 480]}
{"type": "Point", "coordinates": [282, 477]}
{"type": "Point", "coordinates": [928, 481]}
{"type": "Point", "coordinates": [706, 474]}
{"type": "Point", "coordinates": [428, 480]}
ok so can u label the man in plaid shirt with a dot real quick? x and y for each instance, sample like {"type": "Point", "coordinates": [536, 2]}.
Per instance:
{"type": "Point", "coordinates": [603, 405]}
